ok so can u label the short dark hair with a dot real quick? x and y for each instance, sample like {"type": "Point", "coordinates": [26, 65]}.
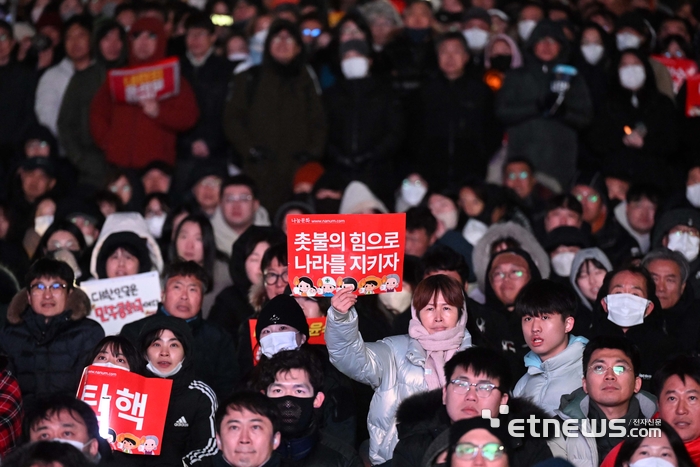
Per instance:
{"type": "Point", "coordinates": [6, 26]}
{"type": "Point", "coordinates": [145, 7]}
{"type": "Point", "coordinates": [639, 191]}
{"type": "Point", "coordinates": [631, 444]}
{"type": "Point", "coordinates": [47, 452]}
{"type": "Point", "coordinates": [565, 201]}
{"type": "Point", "coordinates": [284, 362]}
{"type": "Point", "coordinates": [444, 258]}
{"type": "Point", "coordinates": [240, 179]}
{"type": "Point", "coordinates": [683, 366]}
{"type": "Point", "coordinates": [546, 296]}
{"type": "Point", "coordinates": [47, 407]}
{"type": "Point", "coordinates": [122, 345]}
{"type": "Point", "coordinates": [84, 21]}
{"type": "Point", "coordinates": [612, 342]}
{"type": "Point", "coordinates": [50, 268]}
{"type": "Point", "coordinates": [481, 361]}
{"type": "Point", "coordinates": [420, 217]}
{"type": "Point", "coordinates": [452, 36]}
{"type": "Point", "coordinates": [199, 20]}
{"type": "Point", "coordinates": [188, 269]}
{"type": "Point", "coordinates": [278, 252]}
{"type": "Point", "coordinates": [519, 160]}
{"type": "Point", "coordinates": [451, 290]}
{"type": "Point", "coordinates": [147, 339]}
{"type": "Point", "coordinates": [251, 401]}
{"type": "Point", "coordinates": [638, 270]}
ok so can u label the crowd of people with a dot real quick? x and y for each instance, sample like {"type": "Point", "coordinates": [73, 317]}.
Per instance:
{"type": "Point", "coordinates": [543, 155]}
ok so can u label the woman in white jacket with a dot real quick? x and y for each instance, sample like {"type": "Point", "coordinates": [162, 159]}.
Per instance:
{"type": "Point", "coordinates": [399, 366]}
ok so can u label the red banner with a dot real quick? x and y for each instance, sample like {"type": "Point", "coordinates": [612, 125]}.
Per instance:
{"type": "Point", "coordinates": [130, 408]}
{"type": "Point", "coordinates": [359, 251]}
{"type": "Point", "coordinates": [679, 68]}
{"type": "Point", "coordinates": [317, 335]}
{"type": "Point", "coordinates": [158, 80]}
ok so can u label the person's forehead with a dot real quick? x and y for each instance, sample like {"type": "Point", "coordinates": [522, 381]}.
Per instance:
{"type": "Point", "coordinates": [60, 418]}
{"type": "Point", "coordinates": [643, 202]}
{"type": "Point", "coordinates": [237, 189]}
{"type": "Point", "coordinates": [48, 280]}
{"type": "Point", "coordinates": [675, 383]}
{"type": "Point", "coordinates": [583, 189]}
{"type": "Point", "coordinates": [517, 167]}
{"type": "Point", "coordinates": [451, 45]}
{"type": "Point", "coordinates": [628, 279]}
{"type": "Point", "coordinates": [683, 228]}
{"type": "Point", "coordinates": [183, 280]}
{"type": "Point", "coordinates": [155, 173]}
{"type": "Point", "coordinates": [76, 29]}
{"type": "Point", "coordinates": [509, 260]}
{"type": "Point", "coordinates": [243, 415]}
{"type": "Point", "coordinates": [610, 356]}
{"type": "Point", "coordinates": [665, 266]}
{"type": "Point", "coordinates": [562, 211]}
{"type": "Point", "coordinates": [469, 373]}
{"type": "Point", "coordinates": [293, 376]}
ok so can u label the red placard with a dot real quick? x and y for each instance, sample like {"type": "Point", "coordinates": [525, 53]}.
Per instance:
{"type": "Point", "coordinates": [692, 98]}
{"type": "Point", "coordinates": [158, 80]}
{"type": "Point", "coordinates": [317, 335]}
{"type": "Point", "coordinates": [679, 68]}
{"type": "Point", "coordinates": [130, 408]}
{"type": "Point", "coordinates": [329, 252]}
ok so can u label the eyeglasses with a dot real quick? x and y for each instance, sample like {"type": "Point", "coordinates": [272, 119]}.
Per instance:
{"type": "Point", "coordinates": [691, 232]}
{"type": "Point", "coordinates": [116, 189]}
{"type": "Point", "coordinates": [271, 278]}
{"type": "Point", "coordinates": [490, 451]}
{"type": "Point", "coordinates": [482, 389]}
{"type": "Point", "coordinates": [69, 245]}
{"type": "Point", "coordinates": [406, 182]}
{"type": "Point", "coordinates": [76, 219]}
{"type": "Point", "coordinates": [40, 288]}
{"type": "Point", "coordinates": [518, 175]}
{"type": "Point", "coordinates": [512, 275]}
{"type": "Point", "coordinates": [601, 369]}
{"type": "Point", "coordinates": [211, 183]}
{"type": "Point", "coordinates": [238, 198]}
{"type": "Point", "coordinates": [4, 37]}
{"type": "Point", "coordinates": [590, 198]}
{"type": "Point", "coordinates": [315, 32]}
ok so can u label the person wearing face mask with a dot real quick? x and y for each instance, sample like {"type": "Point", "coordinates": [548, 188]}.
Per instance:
{"type": "Point", "coordinates": [476, 27]}
{"type": "Point", "coordinates": [593, 61]}
{"type": "Point", "coordinates": [635, 130]}
{"type": "Point", "coordinates": [48, 420]}
{"type": "Point", "coordinates": [562, 244]}
{"type": "Point", "coordinates": [666, 450]}
{"type": "Point", "coordinates": [166, 345]}
{"type": "Point", "coordinates": [365, 127]}
{"type": "Point", "coordinates": [627, 307]}
{"type": "Point", "coordinates": [500, 55]}
{"type": "Point", "coordinates": [679, 230]}
{"type": "Point", "coordinates": [454, 130]}
{"type": "Point", "coordinates": [545, 104]}
{"type": "Point", "coordinates": [293, 381]}
{"type": "Point", "coordinates": [530, 14]}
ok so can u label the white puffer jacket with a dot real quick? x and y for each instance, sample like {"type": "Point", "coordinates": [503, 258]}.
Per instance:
{"type": "Point", "coordinates": [393, 367]}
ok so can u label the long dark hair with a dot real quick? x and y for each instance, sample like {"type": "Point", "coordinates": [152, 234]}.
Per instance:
{"type": "Point", "coordinates": [121, 345]}
{"type": "Point", "coordinates": [631, 444]}
{"type": "Point", "coordinates": [58, 225]}
{"type": "Point", "coordinates": [208, 242]}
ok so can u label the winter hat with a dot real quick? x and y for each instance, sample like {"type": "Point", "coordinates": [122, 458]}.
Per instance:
{"type": "Point", "coordinates": [682, 216]}
{"type": "Point", "coordinates": [462, 427]}
{"type": "Point", "coordinates": [500, 13]}
{"type": "Point", "coordinates": [358, 45]}
{"type": "Point", "coordinates": [132, 243]}
{"type": "Point", "coordinates": [633, 20]}
{"type": "Point", "coordinates": [164, 167]}
{"type": "Point", "coordinates": [308, 173]}
{"type": "Point", "coordinates": [567, 236]}
{"type": "Point", "coordinates": [176, 325]}
{"type": "Point", "coordinates": [283, 309]}
{"type": "Point", "coordinates": [477, 13]}
{"type": "Point", "coordinates": [43, 163]}
{"type": "Point", "coordinates": [358, 198]}
{"type": "Point", "coordinates": [206, 169]}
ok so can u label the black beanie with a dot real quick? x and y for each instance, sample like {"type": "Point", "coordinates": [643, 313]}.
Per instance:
{"type": "Point", "coordinates": [283, 309]}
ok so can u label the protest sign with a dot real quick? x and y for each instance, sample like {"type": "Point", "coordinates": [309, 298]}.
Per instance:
{"type": "Point", "coordinates": [122, 300]}
{"type": "Point", "coordinates": [130, 408]}
{"type": "Point", "coordinates": [359, 251]}
{"type": "Point", "coordinates": [317, 335]}
{"type": "Point", "coordinates": [158, 80]}
{"type": "Point", "coordinates": [692, 98]}
{"type": "Point", "coordinates": [679, 68]}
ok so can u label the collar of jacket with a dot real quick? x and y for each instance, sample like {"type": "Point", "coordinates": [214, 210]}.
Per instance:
{"type": "Point", "coordinates": [77, 302]}
{"type": "Point", "coordinates": [577, 404]}
{"type": "Point", "coordinates": [300, 448]}
{"type": "Point", "coordinates": [571, 355]}
{"type": "Point", "coordinates": [195, 321]}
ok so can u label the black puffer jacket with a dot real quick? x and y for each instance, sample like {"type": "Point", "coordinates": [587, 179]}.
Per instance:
{"type": "Point", "coordinates": [48, 357]}
{"type": "Point", "coordinates": [423, 427]}
{"type": "Point", "coordinates": [189, 435]}
{"type": "Point", "coordinates": [326, 452]}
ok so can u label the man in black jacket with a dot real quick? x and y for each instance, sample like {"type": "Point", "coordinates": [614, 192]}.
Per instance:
{"type": "Point", "coordinates": [293, 380]}
{"type": "Point", "coordinates": [214, 352]}
{"type": "Point", "coordinates": [478, 379]}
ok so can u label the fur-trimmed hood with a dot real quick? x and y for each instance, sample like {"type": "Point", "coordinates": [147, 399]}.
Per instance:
{"type": "Point", "coordinates": [78, 302]}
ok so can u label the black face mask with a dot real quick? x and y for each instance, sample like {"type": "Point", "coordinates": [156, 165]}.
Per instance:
{"type": "Point", "coordinates": [501, 62]}
{"type": "Point", "coordinates": [417, 35]}
{"type": "Point", "coordinates": [327, 206]}
{"type": "Point", "coordinates": [297, 414]}
{"type": "Point", "coordinates": [445, 17]}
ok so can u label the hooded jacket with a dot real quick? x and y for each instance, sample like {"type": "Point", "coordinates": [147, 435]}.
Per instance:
{"type": "Point", "coordinates": [122, 222]}
{"type": "Point", "coordinates": [423, 426]}
{"type": "Point", "coordinates": [682, 321]}
{"type": "Point", "coordinates": [48, 357]}
{"type": "Point", "coordinates": [516, 60]}
{"type": "Point", "coordinates": [393, 367]}
{"type": "Point", "coordinates": [584, 313]}
{"type": "Point", "coordinates": [189, 434]}
{"type": "Point", "coordinates": [74, 115]}
{"type": "Point", "coordinates": [580, 450]}
{"type": "Point", "coordinates": [683, 216]}
{"type": "Point", "coordinates": [129, 137]}
{"type": "Point", "coordinates": [545, 382]}
{"type": "Point", "coordinates": [523, 104]}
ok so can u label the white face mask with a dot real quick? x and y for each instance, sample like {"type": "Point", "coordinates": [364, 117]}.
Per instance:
{"type": "Point", "coordinates": [525, 28]}
{"type": "Point", "coordinates": [237, 57]}
{"type": "Point", "coordinates": [155, 225]}
{"type": "Point", "coordinates": [355, 67]}
{"type": "Point", "coordinates": [625, 309]}
{"type": "Point", "coordinates": [42, 224]}
{"type": "Point", "coordinates": [632, 77]}
{"type": "Point", "coordinates": [651, 462]}
{"type": "Point", "coordinates": [76, 444]}
{"type": "Point", "coordinates": [476, 38]}
{"type": "Point", "coordinates": [276, 342]}
{"type": "Point", "coordinates": [684, 243]}
{"type": "Point", "coordinates": [396, 302]}
{"type": "Point", "coordinates": [164, 374]}
{"type": "Point", "coordinates": [89, 240]}
{"type": "Point", "coordinates": [627, 40]}
{"type": "Point", "coordinates": [108, 365]}
{"type": "Point", "coordinates": [562, 263]}
{"type": "Point", "coordinates": [592, 53]}
{"type": "Point", "coordinates": [692, 193]}
{"type": "Point", "coordinates": [474, 230]}
{"type": "Point", "coordinates": [412, 193]}
{"type": "Point", "coordinates": [448, 219]}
